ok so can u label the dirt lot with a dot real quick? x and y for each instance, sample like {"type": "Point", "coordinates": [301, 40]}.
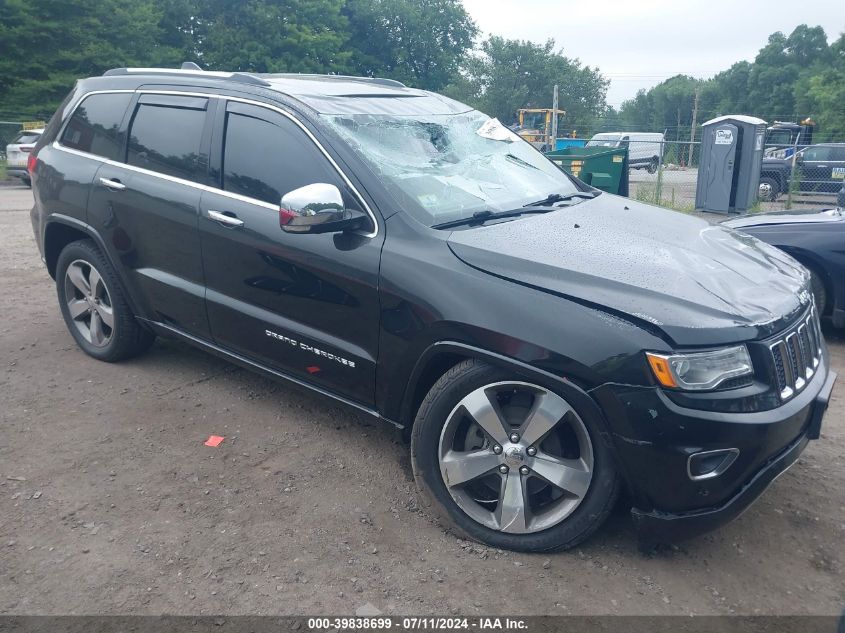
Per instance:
{"type": "Point", "coordinates": [110, 502]}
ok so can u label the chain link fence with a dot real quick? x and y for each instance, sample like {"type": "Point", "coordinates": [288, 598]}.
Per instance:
{"type": "Point", "coordinates": [9, 130]}
{"type": "Point", "coordinates": [792, 178]}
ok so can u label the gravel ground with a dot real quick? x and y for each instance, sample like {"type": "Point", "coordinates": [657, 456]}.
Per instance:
{"type": "Point", "coordinates": [111, 504]}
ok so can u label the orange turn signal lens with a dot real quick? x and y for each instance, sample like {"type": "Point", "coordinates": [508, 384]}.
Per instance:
{"type": "Point", "coordinates": [660, 367]}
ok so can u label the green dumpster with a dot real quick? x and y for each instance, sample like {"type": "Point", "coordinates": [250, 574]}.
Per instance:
{"type": "Point", "coordinates": [601, 167]}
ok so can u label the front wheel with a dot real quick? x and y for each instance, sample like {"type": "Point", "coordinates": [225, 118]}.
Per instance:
{"type": "Point", "coordinates": [510, 463]}
{"type": "Point", "coordinates": [653, 164]}
{"type": "Point", "coordinates": [94, 307]}
{"type": "Point", "coordinates": [819, 291]}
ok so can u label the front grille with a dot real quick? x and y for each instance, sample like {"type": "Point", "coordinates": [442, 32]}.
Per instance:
{"type": "Point", "coordinates": [796, 355]}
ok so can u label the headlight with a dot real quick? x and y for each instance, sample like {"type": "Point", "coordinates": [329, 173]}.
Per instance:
{"type": "Point", "coordinates": [700, 370]}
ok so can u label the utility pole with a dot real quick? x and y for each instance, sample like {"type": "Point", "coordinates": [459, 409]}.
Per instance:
{"type": "Point", "coordinates": [692, 129]}
{"type": "Point", "coordinates": [553, 141]}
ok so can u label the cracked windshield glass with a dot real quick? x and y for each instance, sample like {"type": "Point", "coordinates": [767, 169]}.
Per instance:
{"type": "Point", "coordinates": [448, 167]}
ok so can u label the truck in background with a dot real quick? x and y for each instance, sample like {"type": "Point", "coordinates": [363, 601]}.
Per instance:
{"type": "Point", "coordinates": [645, 149]}
{"type": "Point", "coordinates": [784, 137]}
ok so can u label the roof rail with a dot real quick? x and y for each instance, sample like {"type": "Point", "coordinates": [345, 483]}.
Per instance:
{"type": "Point", "coordinates": [367, 80]}
{"type": "Point", "coordinates": [245, 78]}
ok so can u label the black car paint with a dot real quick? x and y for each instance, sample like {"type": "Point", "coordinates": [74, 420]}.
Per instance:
{"type": "Point", "coordinates": [814, 239]}
{"type": "Point", "coordinates": [406, 304]}
{"type": "Point", "coordinates": [812, 176]}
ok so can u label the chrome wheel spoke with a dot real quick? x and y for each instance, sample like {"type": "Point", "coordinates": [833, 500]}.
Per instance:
{"type": "Point", "coordinates": [95, 282]}
{"type": "Point", "coordinates": [78, 308]}
{"type": "Point", "coordinates": [571, 475]}
{"type": "Point", "coordinates": [77, 278]}
{"type": "Point", "coordinates": [459, 468]}
{"type": "Point", "coordinates": [547, 411]}
{"type": "Point", "coordinates": [98, 337]}
{"type": "Point", "coordinates": [481, 407]}
{"type": "Point", "coordinates": [106, 314]}
{"type": "Point", "coordinates": [511, 514]}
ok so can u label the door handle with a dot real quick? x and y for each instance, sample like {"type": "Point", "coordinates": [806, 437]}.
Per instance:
{"type": "Point", "coordinates": [113, 184]}
{"type": "Point", "coordinates": [223, 218]}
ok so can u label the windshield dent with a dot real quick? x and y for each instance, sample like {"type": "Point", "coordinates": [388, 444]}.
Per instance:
{"type": "Point", "coordinates": [448, 167]}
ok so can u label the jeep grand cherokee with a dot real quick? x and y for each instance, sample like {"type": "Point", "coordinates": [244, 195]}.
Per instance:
{"type": "Point", "coordinates": [540, 343]}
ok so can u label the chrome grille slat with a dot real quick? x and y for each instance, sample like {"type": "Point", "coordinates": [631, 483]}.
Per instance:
{"type": "Point", "coordinates": [796, 355]}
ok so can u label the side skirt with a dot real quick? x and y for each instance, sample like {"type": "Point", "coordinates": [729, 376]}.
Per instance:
{"type": "Point", "coordinates": [172, 332]}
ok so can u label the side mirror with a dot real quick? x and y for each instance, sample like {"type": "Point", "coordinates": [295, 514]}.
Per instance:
{"type": "Point", "coordinates": [317, 208]}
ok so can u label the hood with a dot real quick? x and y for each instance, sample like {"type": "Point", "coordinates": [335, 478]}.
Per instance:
{"type": "Point", "coordinates": [700, 284]}
{"type": "Point", "coordinates": [784, 217]}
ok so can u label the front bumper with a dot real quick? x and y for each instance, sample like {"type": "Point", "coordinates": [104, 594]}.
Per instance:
{"type": "Point", "coordinates": [17, 172]}
{"type": "Point", "coordinates": [668, 505]}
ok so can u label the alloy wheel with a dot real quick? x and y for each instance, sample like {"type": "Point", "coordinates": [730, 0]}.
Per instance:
{"type": "Point", "coordinates": [89, 303]}
{"type": "Point", "coordinates": [516, 457]}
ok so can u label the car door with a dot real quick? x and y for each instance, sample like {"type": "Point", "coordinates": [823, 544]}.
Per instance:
{"type": "Point", "coordinates": [816, 169]}
{"type": "Point", "coordinates": [837, 167]}
{"type": "Point", "coordinates": [302, 304]}
{"type": "Point", "coordinates": [91, 136]}
{"type": "Point", "coordinates": [147, 207]}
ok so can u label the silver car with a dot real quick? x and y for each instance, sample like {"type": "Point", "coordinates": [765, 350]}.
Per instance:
{"type": "Point", "coordinates": [17, 153]}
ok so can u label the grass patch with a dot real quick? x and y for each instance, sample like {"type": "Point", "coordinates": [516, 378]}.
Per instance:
{"type": "Point", "coordinates": [3, 175]}
{"type": "Point", "coordinates": [665, 198]}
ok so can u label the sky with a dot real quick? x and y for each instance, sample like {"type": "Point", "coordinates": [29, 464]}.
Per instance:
{"type": "Point", "coordinates": [639, 43]}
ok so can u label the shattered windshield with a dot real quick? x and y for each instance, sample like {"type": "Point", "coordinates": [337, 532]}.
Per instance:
{"type": "Point", "coordinates": [447, 167]}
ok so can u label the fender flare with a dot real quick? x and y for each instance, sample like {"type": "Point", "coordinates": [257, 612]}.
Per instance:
{"type": "Point", "coordinates": [91, 232]}
{"type": "Point", "coordinates": [566, 387]}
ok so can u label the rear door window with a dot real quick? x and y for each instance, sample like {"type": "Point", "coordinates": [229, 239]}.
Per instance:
{"type": "Point", "coordinates": [166, 135]}
{"type": "Point", "coordinates": [95, 125]}
{"type": "Point", "coordinates": [266, 155]}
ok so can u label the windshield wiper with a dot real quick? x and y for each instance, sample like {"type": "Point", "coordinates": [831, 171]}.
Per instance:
{"type": "Point", "coordinates": [480, 217]}
{"type": "Point", "coordinates": [554, 198]}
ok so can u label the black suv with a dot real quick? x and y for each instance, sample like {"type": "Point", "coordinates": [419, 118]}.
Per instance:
{"type": "Point", "coordinates": [541, 344]}
{"type": "Point", "coordinates": [820, 169]}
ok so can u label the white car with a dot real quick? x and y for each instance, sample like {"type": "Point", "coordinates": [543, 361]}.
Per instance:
{"type": "Point", "coordinates": [645, 149]}
{"type": "Point", "coordinates": [17, 153]}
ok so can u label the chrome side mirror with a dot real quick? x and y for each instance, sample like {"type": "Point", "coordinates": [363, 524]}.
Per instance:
{"type": "Point", "coordinates": [317, 208]}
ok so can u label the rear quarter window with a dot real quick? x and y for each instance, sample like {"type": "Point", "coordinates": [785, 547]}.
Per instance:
{"type": "Point", "coordinates": [26, 138]}
{"type": "Point", "coordinates": [94, 126]}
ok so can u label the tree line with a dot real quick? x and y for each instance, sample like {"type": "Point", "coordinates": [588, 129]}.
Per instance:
{"type": "Point", "coordinates": [45, 45]}
{"type": "Point", "coordinates": [792, 78]}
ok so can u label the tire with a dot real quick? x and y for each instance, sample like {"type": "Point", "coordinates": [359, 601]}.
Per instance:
{"type": "Point", "coordinates": [653, 164]}
{"type": "Point", "coordinates": [819, 291]}
{"type": "Point", "coordinates": [769, 190]}
{"type": "Point", "coordinates": [476, 509]}
{"type": "Point", "coordinates": [102, 324]}
{"type": "Point", "coordinates": [27, 182]}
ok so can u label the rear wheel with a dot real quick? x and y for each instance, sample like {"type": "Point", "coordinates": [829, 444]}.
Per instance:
{"type": "Point", "coordinates": [510, 463]}
{"type": "Point", "coordinates": [768, 189]}
{"type": "Point", "coordinates": [653, 164]}
{"type": "Point", "coordinates": [94, 307]}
